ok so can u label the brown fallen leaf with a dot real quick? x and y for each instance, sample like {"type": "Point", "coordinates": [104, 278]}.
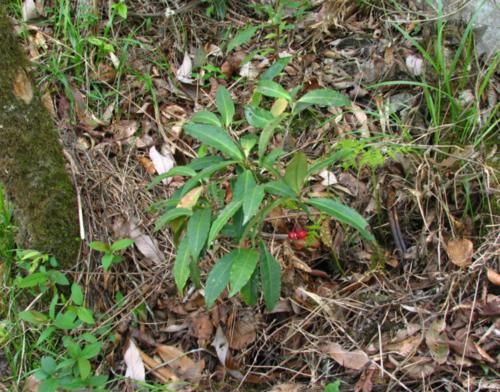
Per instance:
{"type": "Point", "coordinates": [493, 276]}
{"type": "Point", "coordinates": [288, 387]}
{"type": "Point", "coordinates": [460, 252]}
{"type": "Point", "coordinates": [163, 374]}
{"type": "Point", "coordinates": [147, 164]}
{"type": "Point", "coordinates": [183, 366]}
{"type": "Point", "coordinates": [419, 368]}
{"type": "Point", "coordinates": [22, 87]}
{"type": "Point", "coordinates": [437, 341]}
{"type": "Point", "coordinates": [356, 359]}
{"type": "Point", "coordinates": [201, 327]}
{"type": "Point", "coordinates": [123, 130]}
{"type": "Point", "coordinates": [243, 332]}
{"type": "Point", "coordinates": [405, 346]}
{"type": "Point", "coordinates": [135, 366]}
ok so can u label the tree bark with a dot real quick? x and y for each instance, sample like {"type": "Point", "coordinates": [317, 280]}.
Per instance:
{"type": "Point", "coordinates": [32, 165]}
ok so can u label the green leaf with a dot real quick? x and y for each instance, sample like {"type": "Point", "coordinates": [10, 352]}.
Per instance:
{"type": "Point", "coordinates": [85, 315]}
{"type": "Point", "coordinates": [65, 320]}
{"type": "Point", "coordinates": [333, 387]}
{"type": "Point", "coordinates": [184, 171]}
{"type": "Point", "coordinates": [206, 117]}
{"type": "Point", "coordinates": [247, 143]}
{"type": "Point", "coordinates": [76, 294]}
{"type": "Point", "coordinates": [325, 162]}
{"type": "Point", "coordinates": [107, 261]}
{"type": "Point", "coordinates": [266, 135]}
{"type": "Point", "coordinates": [225, 105]}
{"type": "Point", "coordinates": [243, 185]}
{"type": "Point", "coordinates": [342, 213]}
{"type": "Point", "coordinates": [91, 350]}
{"type": "Point", "coordinates": [275, 69]}
{"type": "Point", "coordinates": [84, 368]}
{"type": "Point", "coordinates": [242, 37]}
{"type": "Point", "coordinates": [252, 202]}
{"type": "Point", "coordinates": [224, 216]}
{"type": "Point", "coordinates": [46, 334]}
{"type": "Point", "coordinates": [257, 117]}
{"type": "Point", "coordinates": [296, 172]}
{"type": "Point", "coordinates": [279, 188]}
{"type": "Point", "coordinates": [244, 263]}
{"type": "Point", "coordinates": [215, 137]}
{"type": "Point", "coordinates": [181, 265]}
{"type": "Point", "coordinates": [35, 279]}
{"type": "Point", "coordinates": [58, 277]}
{"type": "Point", "coordinates": [325, 97]}
{"type": "Point", "coordinates": [170, 215]}
{"type": "Point", "coordinates": [270, 274]}
{"type": "Point", "coordinates": [218, 278]}
{"type": "Point", "coordinates": [204, 162]}
{"type": "Point", "coordinates": [197, 231]}
{"type": "Point", "coordinates": [99, 246]}
{"type": "Point", "coordinates": [249, 292]}
{"type": "Point", "coordinates": [48, 365]}
{"type": "Point", "coordinates": [33, 317]}
{"type": "Point", "coordinates": [272, 89]}
{"type": "Point", "coordinates": [121, 244]}
{"type": "Point", "coordinates": [205, 173]}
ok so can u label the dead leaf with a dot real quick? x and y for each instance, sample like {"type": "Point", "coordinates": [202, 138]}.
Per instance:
{"type": "Point", "coordinates": [183, 366]}
{"type": "Point", "coordinates": [162, 162]}
{"type": "Point", "coordinates": [162, 373]}
{"type": "Point", "coordinates": [328, 177]}
{"type": "Point", "coordinates": [123, 130]}
{"type": "Point", "coordinates": [190, 199]}
{"type": "Point", "coordinates": [147, 164]}
{"type": "Point", "coordinates": [32, 384]}
{"type": "Point", "coordinates": [29, 10]}
{"type": "Point", "coordinates": [183, 74]}
{"type": "Point", "coordinates": [135, 366]}
{"type": "Point", "coordinates": [415, 65]}
{"type": "Point", "coordinates": [420, 368]}
{"type": "Point", "coordinates": [437, 341]}
{"type": "Point", "coordinates": [249, 71]}
{"type": "Point", "coordinates": [493, 276]}
{"type": "Point", "coordinates": [362, 119]}
{"type": "Point", "coordinates": [460, 252]}
{"type": "Point", "coordinates": [221, 345]}
{"type": "Point", "coordinates": [356, 359]}
{"type": "Point", "coordinates": [201, 327]}
{"type": "Point", "coordinates": [405, 346]}
{"type": "Point", "coordinates": [288, 387]}
{"type": "Point", "coordinates": [243, 332]}
{"type": "Point", "coordinates": [22, 87]}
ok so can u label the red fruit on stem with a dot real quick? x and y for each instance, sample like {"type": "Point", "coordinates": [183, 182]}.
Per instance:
{"type": "Point", "coordinates": [301, 234]}
{"type": "Point", "coordinates": [292, 235]}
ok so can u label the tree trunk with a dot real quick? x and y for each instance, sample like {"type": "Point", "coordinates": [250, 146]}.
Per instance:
{"type": "Point", "coordinates": [31, 159]}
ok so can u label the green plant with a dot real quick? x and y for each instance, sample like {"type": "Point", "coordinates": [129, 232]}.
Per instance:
{"type": "Point", "coordinates": [111, 251]}
{"type": "Point", "coordinates": [333, 387]}
{"type": "Point", "coordinates": [199, 214]}
{"type": "Point", "coordinates": [216, 8]}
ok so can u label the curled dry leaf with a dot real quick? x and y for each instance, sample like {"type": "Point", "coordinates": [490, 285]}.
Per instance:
{"type": "Point", "coordinates": [493, 276]}
{"type": "Point", "coordinates": [405, 346]}
{"type": "Point", "coordinates": [190, 199]}
{"type": "Point", "coordinates": [29, 10]}
{"type": "Point", "coordinates": [201, 327]}
{"type": "Point", "coordinates": [288, 387]}
{"type": "Point", "coordinates": [183, 74]}
{"type": "Point", "coordinates": [244, 332]}
{"type": "Point", "coordinates": [123, 130]}
{"type": "Point", "coordinates": [328, 177]}
{"type": "Point", "coordinates": [135, 366]}
{"type": "Point", "coordinates": [420, 368]}
{"type": "Point", "coordinates": [183, 366]}
{"type": "Point", "coordinates": [415, 65]}
{"type": "Point", "coordinates": [437, 341]}
{"type": "Point", "coordinates": [162, 373]}
{"type": "Point", "coordinates": [460, 252]}
{"type": "Point", "coordinates": [362, 119]}
{"type": "Point", "coordinates": [22, 87]}
{"type": "Point", "coordinates": [162, 162]}
{"type": "Point", "coordinates": [221, 345]}
{"type": "Point", "coordinates": [356, 359]}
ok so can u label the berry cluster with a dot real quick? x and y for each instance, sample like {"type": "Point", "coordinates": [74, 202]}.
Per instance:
{"type": "Point", "coordinates": [297, 235]}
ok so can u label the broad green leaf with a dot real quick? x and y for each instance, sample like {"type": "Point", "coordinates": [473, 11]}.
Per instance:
{"type": "Point", "coordinates": [218, 278]}
{"type": "Point", "coordinates": [184, 171]}
{"type": "Point", "coordinates": [76, 294]}
{"type": "Point", "coordinates": [296, 172]}
{"type": "Point", "coordinates": [85, 315]}
{"type": "Point", "coordinates": [324, 162]}
{"type": "Point", "coordinates": [204, 162]}
{"type": "Point", "coordinates": [107, 261]}
{"type": "Point", "coordinates": [48, 365]}
{"type": "Point", "coordinates": [279, 188]}
{"type": "Point", "coordinates": [205, 173]}
{"type": "Point", "coordinates": [170, 215]}
{"type": "Point", "coordinates": [272, 89]}
{"type": "Point", "coordinates": [181, 265]}
{"type": "Point", "coordinates": [250, 292]}
{"type": "Point", "coordinates": [325, 97]}
{"type": "Point", "coordinates": [243, 185]}
{"type": "Point", "coordinates": [197, 231]}
{"type": "Point", "coordinates": [252, 202]}
{"type": "Point", "coordinates": [273, 156]}
{"type": "Point", "coordinates": [84, 368]}
{"type": "Point", "coordinates": [343, 214]}
{"type": "Point", "coordinates": [270, 274]}
{"type": "Point", "coordinates": [275, 69]}
{"type": "Point", "coordinates": [33, 316]}
{"type": "Point", "coordinates": [257, 117]}
{"type": "Point", "coordinates": [65, 320]}
{"type": "Point", "coordinates": [53, 304]}
{"type": "Point", "coordinates": [224, 216]}
{"type": "Point", "coordinates": [99, 246]}
{"type": "Point", "coordinates": [91, 350]}
{"type": "Point", "coordinates": [266, 135]}
{"type": "Point", "coordinates": [46, 334]}
{"type": "Point", "coordinates": [215, 137]}
{"type": "Point", "coordinates": [195, 273]}
{"type": "Point", "coordinates": [35, 279]}
{"type": "Point", "coordinates": [121, 244]}
{"type": "Point", "coordinates": [225, 105]}
{"type": "Point", "coordinates": [206, 117]}
{"type": "Point", "coordinates": [58, 277]}
{"type": "Point", "coordinates": [247, 143]}
{"type": "Point", "coordinates": [244, 263]}
{"type": "Point", "coordinates": [242, 38]}
{"type": "Point", "coordinates": [333, 387]}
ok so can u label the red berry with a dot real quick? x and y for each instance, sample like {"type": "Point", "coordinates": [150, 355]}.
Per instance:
{"type": "Point", "coordinates": [301, 234]}
{"type": "Point", "coordinates": [292, 235]}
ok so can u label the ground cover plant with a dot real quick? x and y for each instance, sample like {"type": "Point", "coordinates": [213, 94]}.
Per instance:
{"type": "Point", "coordinates": [274, 195]}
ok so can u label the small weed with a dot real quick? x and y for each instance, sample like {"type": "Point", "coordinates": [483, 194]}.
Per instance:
{"type": "Point", "coordinates": [111, 256]}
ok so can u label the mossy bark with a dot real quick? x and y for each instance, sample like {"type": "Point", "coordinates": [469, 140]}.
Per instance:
{"type": "Point", "coordinates": [32, 165]}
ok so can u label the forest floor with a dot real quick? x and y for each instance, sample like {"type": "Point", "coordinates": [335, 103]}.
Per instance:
{"type": "Point", "coordinates": [419, 312]}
